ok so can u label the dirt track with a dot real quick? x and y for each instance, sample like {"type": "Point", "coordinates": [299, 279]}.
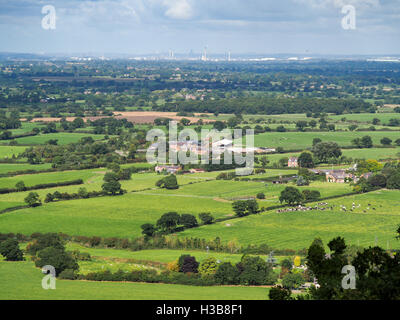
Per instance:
{"type": "Point", "coordinates": [131, 116]}
{"type": "Point", "coordinates": [150, 116]}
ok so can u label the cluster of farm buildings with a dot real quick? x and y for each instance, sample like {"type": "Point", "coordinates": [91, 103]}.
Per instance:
{"type": "Point", "coordinates": [333, 175]}
{"type": "Point", "coordinates": [203, 147]}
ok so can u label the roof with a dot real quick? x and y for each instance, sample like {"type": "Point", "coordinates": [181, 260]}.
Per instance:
{"type": "Point", "coordinates": [222, 142]}
{"type": "Point", "coordinates": [168, 167]}
{"type": "Point", "coordinates": [339, 174]}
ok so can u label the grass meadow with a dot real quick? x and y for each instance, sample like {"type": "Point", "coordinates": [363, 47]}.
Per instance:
{"type": "Point", "coordinates": [371, 153]}
{"type": "Point", "coordinates": [119, 216]}
{"type": "Point", "coordinates": [365, 117]}
{"type": "Point", "coordinates": [93, 180]}
{"type": "Point", "coordinates": [232, 190]}
{"type": "Point", "coordinates": [9, 151]}
{"type": "Point", "coordinates": [296, 230]}
{"type": "Point", "coordinates": [21, 280]}
{"type": "Point", "coordinates": [62, 137]}
{"type": "Point", "coordinates": [359, 118]}
{"type": "Point", "coordinates": [156, 255]}
{"type": "Point", "coordinates": [122, 216]}
{"type": "Point", "coordinates": [26, 127]}
{"type": "Point", "coordinates": [47, 177]}
{"type": "Point", "coordinates": [12, 167]}
{"type": "Point", "coordinates": [296, 140]}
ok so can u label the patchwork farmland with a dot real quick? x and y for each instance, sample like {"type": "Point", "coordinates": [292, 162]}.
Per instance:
{"type": "Point", "coordinates": [78, 192]}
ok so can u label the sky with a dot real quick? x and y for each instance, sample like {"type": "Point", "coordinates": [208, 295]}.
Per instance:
{"type": "Point", "coordinates": [240, 26]}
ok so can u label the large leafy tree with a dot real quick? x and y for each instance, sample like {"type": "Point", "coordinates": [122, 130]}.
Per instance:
{"type": "Point", "coordinates": [326, 150]}
{"type": "Point", "coordinates": [327, 269]}
{"type": "Point", "coordinates": [148, 229]}
{"type": "Point", "coordinates": [364, 166]}
{"type": "Point", "coordinates": [292, 280]}
{"type": "Point", "coordinates": [264, 161]}
{"type": "Point", "coordinates": [255, 271]}
{"type": "Point", "coordinates": [377, 272]}
{"type": "Point", "coordinates": [386, 141]}
{"type": "Point", "coordinates": [245, 207]}
{"type": "Point", "coordinates": [393, 182]}
{"type": "Point", "coordinates": [10, 250]}
{"type": "Point", "coordinates": [188, 221]}
{"type": "Point", "coordinates": [291, 195]}
{"type": "Point", "coordinates": [305, 160]}
{"type": "Point", "coordinates": [33, 200]}
{"type": "Point", "coordinates": [206, 217]}
{"type": "Point", "coordinates": [59, 259]}
{"type": "Point", "coordinates": [378, 275]}
{"type": "Point", "coordinates": [168, 221]}
{"type": "Point", "coordinates": [170, 182]}
{"type": "Point", "coordinates": [43, 241]}
{"type": "Point", "coordinates": [227, 274]}
{"type": "Point", "coordinates": [111, 184]}
{"type": "Point", "coordinates": [366, 142]}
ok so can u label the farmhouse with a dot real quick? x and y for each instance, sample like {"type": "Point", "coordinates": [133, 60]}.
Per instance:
{"type": "Point", "coordinates": [339, 176]}
{"type": "Point", "coordinates": [168, 169]}
{"type": "Point", "coordinates": [293, 162]}
{"type": "Point", "coordinates": [218, 147]}
{"type": "Point", "coordinates": [190, 145]}
{"type": "Point", "coordinates": [183, 145]}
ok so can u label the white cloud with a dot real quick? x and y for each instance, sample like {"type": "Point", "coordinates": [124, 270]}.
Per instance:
{"type": "Point", "coordinates": [178, 9]}
{"type": "Point", "coordinates": [340, 3]}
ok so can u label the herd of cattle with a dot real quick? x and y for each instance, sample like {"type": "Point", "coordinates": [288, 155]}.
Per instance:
{"type": "Point", "coordinates": [324, 206]}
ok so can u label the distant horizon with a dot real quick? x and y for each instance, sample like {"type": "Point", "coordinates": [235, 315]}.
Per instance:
{"type": "Point", "coordinates": [145, 27]}
{"type": "Point", "coordinates": [197, 55]}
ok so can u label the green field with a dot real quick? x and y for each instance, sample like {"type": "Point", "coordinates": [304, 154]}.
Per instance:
{"type": "Point", "coordinates": [296, 140]}
{"type": "Point", "coordinates": [93, 180]}
{"type": "Point", "coordinates": [331, 118]}
{"type": "Point", "coordinates": [12, 167]}
{"type": "Point", "coordinates": [9, 151]}
{"type": "Point", "coordinates": [62, 137]}
{"type": "Point", "coordinates": [119, 216]}
{"type": "Point", "coordinates": [158, 255]}
{"type": "Point", "coordinates": [365, 117]}
{"type": "Point", "coordinates": [373, 222]}
{"type": "Point", "coordinates": [21, 280]}
{"type": "Point", "coordinates": [26, 127]}
{"type": "Point", "coordinates": [122, 216]}
{"type": "Point", "coordinates": [47, 177]}
{"type": "Point", "coordinates": [370, 153]}
{"type": "Point", "coordinates": [296, 230]}
{"type": "Point", "coordinates": [230, 190]}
